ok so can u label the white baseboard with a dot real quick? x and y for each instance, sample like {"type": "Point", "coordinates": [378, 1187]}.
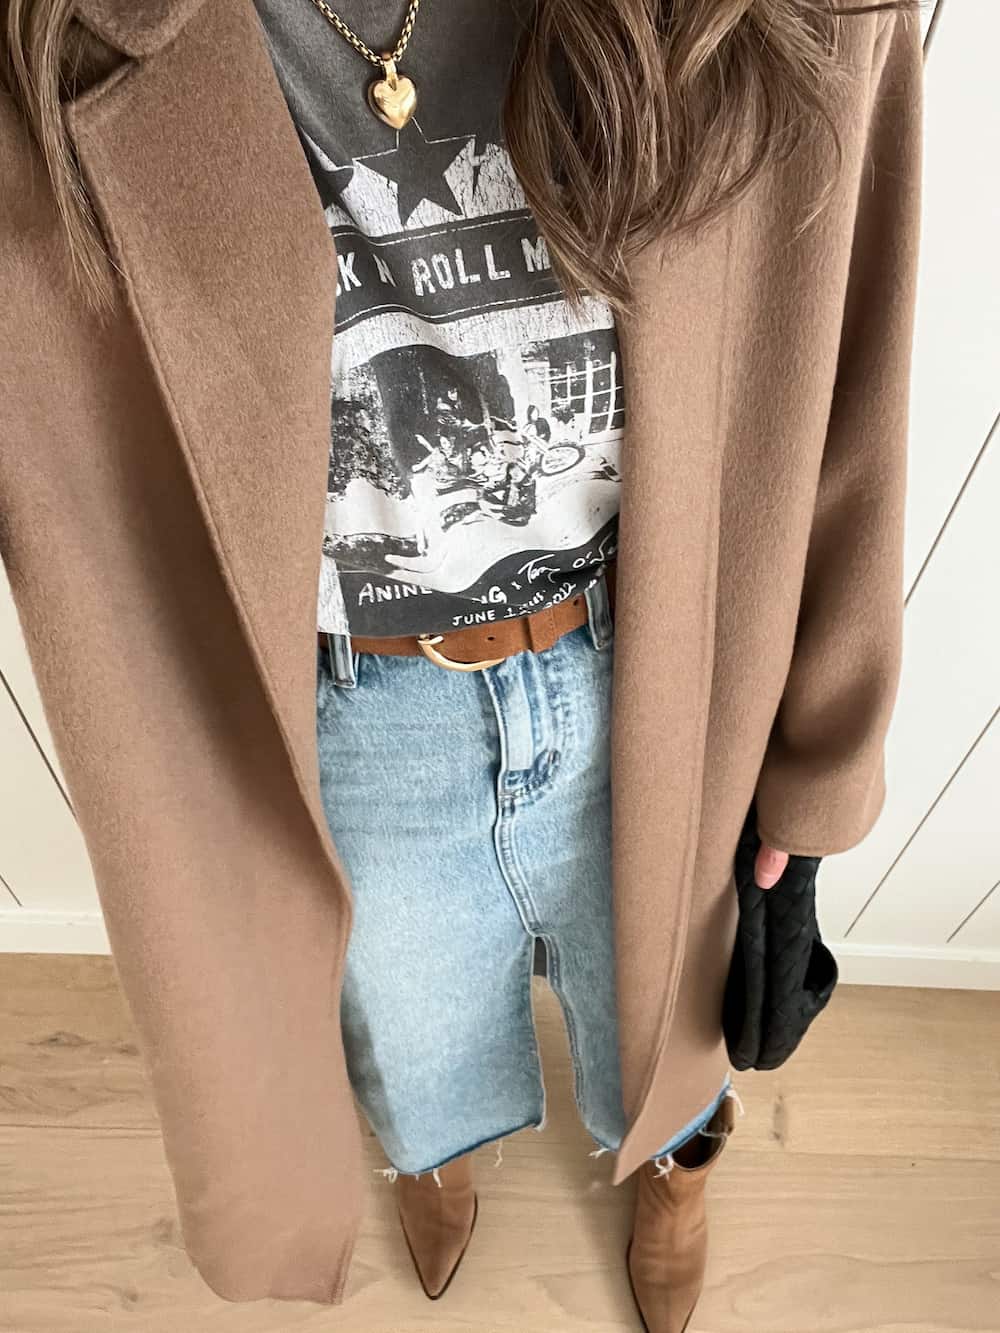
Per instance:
{"type": "Point", "coordinates": [25, 931]}
{"type": "Point", "coordinates": [891, 965]}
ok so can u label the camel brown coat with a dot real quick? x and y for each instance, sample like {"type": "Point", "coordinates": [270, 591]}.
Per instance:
{"type": "Point", "coordinates": [162, 483]}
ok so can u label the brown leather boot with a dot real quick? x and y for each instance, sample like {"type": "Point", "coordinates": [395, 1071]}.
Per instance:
{"type": "Point", "coordinates": [669, 1246]}
{"type": "Point", "coordinates": [438, 1221]}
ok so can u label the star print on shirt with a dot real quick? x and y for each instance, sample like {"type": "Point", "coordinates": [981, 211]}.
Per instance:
{"type": "Point", "coordinates": [337, 182]}
{"type": "Point", "coordinates": [417, 166]}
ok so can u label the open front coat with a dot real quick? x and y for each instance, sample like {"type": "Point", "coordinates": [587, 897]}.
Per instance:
{"type": "Point", "coordinates": [162, 483]}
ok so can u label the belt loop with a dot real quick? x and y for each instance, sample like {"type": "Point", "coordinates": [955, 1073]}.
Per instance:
{"type": "Point", "coordinates": [599, 619]}
{"type": "Point", "coordinates": [343, 661]}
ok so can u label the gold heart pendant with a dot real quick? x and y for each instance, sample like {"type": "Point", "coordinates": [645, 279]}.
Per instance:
{"type": "Point", "coordinates": [392, 98]}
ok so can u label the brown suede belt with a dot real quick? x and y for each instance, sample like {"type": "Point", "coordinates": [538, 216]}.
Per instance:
{"type": "Point", "coordinates": [478, 646]}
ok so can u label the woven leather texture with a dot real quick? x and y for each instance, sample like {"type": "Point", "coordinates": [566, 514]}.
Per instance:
{"type": "Point", "coordinates": [782, 974]}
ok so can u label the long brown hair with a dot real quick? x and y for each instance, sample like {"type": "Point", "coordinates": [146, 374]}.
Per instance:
{"type": "Point", "coordinates": [625, 119]}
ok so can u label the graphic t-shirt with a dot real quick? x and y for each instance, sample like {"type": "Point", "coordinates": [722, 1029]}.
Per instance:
{"type": "Point", "coordinates": [475, 419]}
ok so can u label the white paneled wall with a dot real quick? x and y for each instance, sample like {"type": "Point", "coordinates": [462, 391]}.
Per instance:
{"type": "Point", "coordinates": [956, 366]}
{"type": "Point", "coordinates": [44, 863]}
{"type": "Point", "coordinates": [910, 904]}
{"type": "Point", "coordinates": [919, 901]}
{"type": "Point", "coordinates": [949, 690]}
{"type": "Point", "coordinates": [48, 902]}
{"type": "Point", "coordinates": [982, 930]}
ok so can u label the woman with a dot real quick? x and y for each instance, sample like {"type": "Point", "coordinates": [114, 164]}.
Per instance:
{"type": "Point", "coordinates": [699, 219]}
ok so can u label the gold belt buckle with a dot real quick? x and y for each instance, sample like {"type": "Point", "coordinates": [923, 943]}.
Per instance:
{"type": "Point", "coordinates": [426, 643]}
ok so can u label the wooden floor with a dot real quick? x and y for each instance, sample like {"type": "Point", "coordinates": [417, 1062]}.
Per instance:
{"type": "Point", "coordinates": [860, 1194]}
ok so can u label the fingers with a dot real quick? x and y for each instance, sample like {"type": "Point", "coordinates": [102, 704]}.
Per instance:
{"type": "Point", "coordinates": [768, 867]}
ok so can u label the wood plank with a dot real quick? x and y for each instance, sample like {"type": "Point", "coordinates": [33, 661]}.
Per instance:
{"type": "Point", "coordinates": [806, 1237]}
{"type": "Point", "coordinates": [68, 1050]}
{"type": "Point", "coordinates": [70, 1059]}
{"type": "Point", "coordinates": [870, 1246]}
{"type": "Point", "coordinates": [916, 1071]}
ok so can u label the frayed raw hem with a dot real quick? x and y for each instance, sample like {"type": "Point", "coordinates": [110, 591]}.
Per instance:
{"type": "Point", "coordinates": [664, 1161]}
{"type": "Point", "coordinates": [657, 1161]}
{"type": "Point", "coordinates": [392, 1173]}
{"type": "Point", "coordinates": [733, 1095]}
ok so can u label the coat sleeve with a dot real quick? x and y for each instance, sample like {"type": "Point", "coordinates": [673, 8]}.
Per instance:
{"type": "Point", "coordinates": [821, 785]}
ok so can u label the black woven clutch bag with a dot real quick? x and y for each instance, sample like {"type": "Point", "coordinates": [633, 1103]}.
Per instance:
{"type": "Point", "coordinates": [782, 974]}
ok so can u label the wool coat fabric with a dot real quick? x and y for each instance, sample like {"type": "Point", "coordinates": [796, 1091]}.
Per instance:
{"type": "Point", "coordinates": [162, 483]}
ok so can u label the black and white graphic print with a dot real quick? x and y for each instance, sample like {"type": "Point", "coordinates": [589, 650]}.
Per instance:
{"type": "Point", "coordinates": [475, 420]}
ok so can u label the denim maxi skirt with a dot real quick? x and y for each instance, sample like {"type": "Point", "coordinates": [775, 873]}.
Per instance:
{"type": "Point", "coordinates": [472, 813]}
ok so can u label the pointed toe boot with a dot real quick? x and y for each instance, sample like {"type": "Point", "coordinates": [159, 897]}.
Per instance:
{"type": "Point", "coordinates": [438, 1220]}
{"type": "Point", "coordinates": [669, 1246]}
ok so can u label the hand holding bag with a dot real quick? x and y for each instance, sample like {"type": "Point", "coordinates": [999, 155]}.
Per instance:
{"type": "Point", "coordinates": [782, 974]}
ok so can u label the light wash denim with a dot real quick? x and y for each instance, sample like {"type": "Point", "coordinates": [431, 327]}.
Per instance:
{"type": "Point", "coordinates": [471, 810]}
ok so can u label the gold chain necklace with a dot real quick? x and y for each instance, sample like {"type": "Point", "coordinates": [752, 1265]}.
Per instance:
{"type": "Point", "coordinates": [393, 97]}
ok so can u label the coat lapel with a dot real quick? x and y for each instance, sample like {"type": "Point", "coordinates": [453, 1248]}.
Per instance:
{"type": "Point", "coordinates": [212, 215]}
{"type": "Point", "coordinates": [136, 29]}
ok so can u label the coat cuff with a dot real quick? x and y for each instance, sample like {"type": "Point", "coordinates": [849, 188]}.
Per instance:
{"type": "Point", "coordinates": [810, 815]}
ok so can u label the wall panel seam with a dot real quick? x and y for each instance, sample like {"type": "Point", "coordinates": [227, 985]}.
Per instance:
{"type": "Point", "coordinates": [920, 823]}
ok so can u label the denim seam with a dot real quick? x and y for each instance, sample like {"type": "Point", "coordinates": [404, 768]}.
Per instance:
{"type": "Point", "coordinates": [510, 867]}
{"type": "Point", "coordinates": [503, 840]}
